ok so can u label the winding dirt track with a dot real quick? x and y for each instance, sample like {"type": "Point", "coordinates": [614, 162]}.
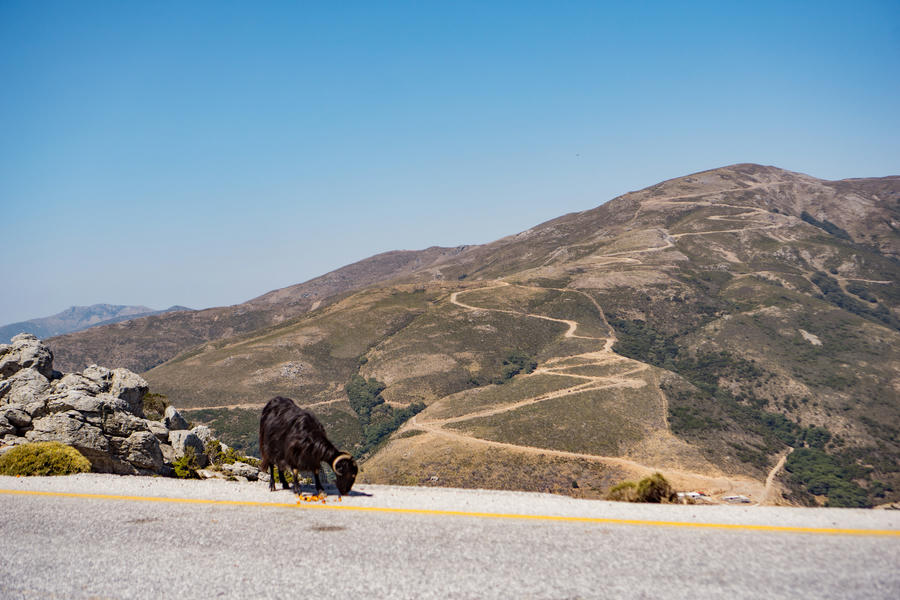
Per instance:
{"type": "Point", "coordinates": [622, 378]}
{"type": "Point", "coordinates": [762, 492]}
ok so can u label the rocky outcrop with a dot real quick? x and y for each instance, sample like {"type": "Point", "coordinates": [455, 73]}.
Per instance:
{"type": "Point", "coordinates": [25, 352]}
{"type": "Point", "coordinates": [173, 419]}
{"type": "Point", "coordinates": [98, 411]}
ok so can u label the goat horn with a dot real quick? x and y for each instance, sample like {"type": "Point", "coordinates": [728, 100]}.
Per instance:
{"type": "Point", "coordinates": [339, 459]}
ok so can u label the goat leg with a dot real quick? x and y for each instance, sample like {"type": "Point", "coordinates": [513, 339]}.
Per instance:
{"type": "Point", "coordinates": [320, 490]}
{"type": "Point", "coordinates": [272, 477]}
{"type": "Point", "coordinates": [284, 483]}
{"type": "Point", "coordinates": [296, 475]}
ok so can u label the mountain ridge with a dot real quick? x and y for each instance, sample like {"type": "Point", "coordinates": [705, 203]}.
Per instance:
{"type": "Point", "coordinates": [713, 327]}
{"type": "Point", "coordinates": [77, 318]}
{"type": "Point", "coordinates": [135, 348]}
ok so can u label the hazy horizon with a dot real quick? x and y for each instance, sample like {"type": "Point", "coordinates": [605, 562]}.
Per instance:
{"type": "Point", "coordinates": [204, 154]}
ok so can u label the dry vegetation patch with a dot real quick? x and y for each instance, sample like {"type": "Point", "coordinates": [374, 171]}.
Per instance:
{"type": "Point", "coordinates": [428, 459]}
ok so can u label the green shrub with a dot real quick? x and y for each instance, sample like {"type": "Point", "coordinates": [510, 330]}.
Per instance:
{"type": "Point", "coordinates": [43, 458]}
{"type": "Point", "coordinates": [213, 451]}
{"type": "Point", "coordinates": [654, 489]}
{"type": "Point", "coordinates": [186, 466]}
{"type": "Point", "coordinates": [623, 492]}
{"type": "Point", "coordinates": [378, 419]}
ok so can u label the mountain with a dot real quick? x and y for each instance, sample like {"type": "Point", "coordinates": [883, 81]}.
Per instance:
{"type": "Point", "coordinates": [77, 318]}
{"type": "Point", "coordinates": [141, 344]}
{"type": "Point", "coordinates": [737, 330]}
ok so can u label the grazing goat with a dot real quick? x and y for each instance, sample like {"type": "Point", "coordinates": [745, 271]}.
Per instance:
{"type": "Point", "coordinates": [292, 438]}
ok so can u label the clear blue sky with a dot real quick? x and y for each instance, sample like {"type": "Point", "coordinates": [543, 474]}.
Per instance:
{"type": "Point", "coordinates": [202, 154]}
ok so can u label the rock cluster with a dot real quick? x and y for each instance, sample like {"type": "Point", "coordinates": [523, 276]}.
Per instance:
{"type": "Point", "coordinates": [97, 411]}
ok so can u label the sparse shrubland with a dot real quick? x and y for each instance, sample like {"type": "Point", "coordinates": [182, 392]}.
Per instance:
{"type": "Point", "coordinates": [821, 474]}
{"type": "Point", "coordinates": [832, 292]}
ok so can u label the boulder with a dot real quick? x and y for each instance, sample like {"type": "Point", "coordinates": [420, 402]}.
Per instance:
{"type": "Point", "coordinates": [240, 469]}
{"type": "Point", "coordinates": [24, 386]}
{"type": "Point", "coordinates": [124, 424]}
{"type": "Point", "coordinates": [69, 428]}
{"type": "Point", "coordinates": [159, 430]}
{"type": "Point", "coordinates": [183, 439]}
{"type": "Point", "coordinates": [174, 420]}
{"type": "Point", "coordinates": [25, 352]}
{"type": "Point", "coordinates": [131, 388]}
{"type": "Point", "coordinates": [6, 428]}
{"type": "Point", "coordinates": [101, 376]}
{"type": "Point", "coordinates": [85, 403]}
{"type": "Point", "coordinates": [15, 414]}
{"type": "Point", "coordinates": [142, 450]}
{"type": "Point", "coordinates": [77, 382]}
{"type": "Point", "coordinates": [37, 409]}
{"type": "Point", "coordinates": [168, 453]}
{"type": "Point", "coordinates": [99, 412]}
{"type": "Point", "coordinates": [204, 433]}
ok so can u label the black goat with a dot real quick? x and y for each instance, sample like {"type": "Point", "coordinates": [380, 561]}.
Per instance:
{"type": "Point", "coordinates": [293, 438]}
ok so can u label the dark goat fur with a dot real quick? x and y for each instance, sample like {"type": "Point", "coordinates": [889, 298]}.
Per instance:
{"type": "Point", "coordinates": [293, 439]}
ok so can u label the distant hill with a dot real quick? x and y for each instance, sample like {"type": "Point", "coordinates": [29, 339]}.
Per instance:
{"type": "Point", "coordinates": [78, 318]}
{"type": "Point", "coordinates": [713, 327]}
{"type": "Point", "coordinates": [143, 343]}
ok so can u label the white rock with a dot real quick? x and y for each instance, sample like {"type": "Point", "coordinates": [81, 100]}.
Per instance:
{"type": "Point", "coordinates": [25, 352]}
{"type": "Point", "coordinates": [173, 419]}
{"type": "Point", "coordinates": [204, 433]}
{"type": "Point", "coordinates": [183, 439]}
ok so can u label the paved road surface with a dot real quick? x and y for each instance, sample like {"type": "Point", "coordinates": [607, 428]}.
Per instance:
{"type": "Point", "coordinates": [423, 543]}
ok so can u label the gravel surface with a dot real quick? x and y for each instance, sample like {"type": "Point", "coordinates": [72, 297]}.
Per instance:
{"type": "Point", "coordinates": [76, 547]}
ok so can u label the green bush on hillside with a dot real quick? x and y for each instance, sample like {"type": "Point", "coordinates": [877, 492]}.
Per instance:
{"type": "Point", "coordinates": [832, 292]}
{"type": "Point", "coordinates": [826, 225]}
{"type": "Point", "coordinates": [378, 419]}
{"type": "Point", "coordinates": [654, 489]}
{"type": "Point", "coordinates": [623, 492]}
{"type": "Point", "coordinates": [515, 362]}
{"type": "Point", "coordinates": [43, 458]}
{"type": "Point", "coordinates": [364, 396]}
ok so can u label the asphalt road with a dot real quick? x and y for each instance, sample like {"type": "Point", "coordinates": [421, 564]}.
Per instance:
{"type": "Point", "coordinates": [388, 542]}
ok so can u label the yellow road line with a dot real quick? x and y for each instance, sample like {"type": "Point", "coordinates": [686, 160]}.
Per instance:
{"type": "Point", "coordinates": [456, 513]}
